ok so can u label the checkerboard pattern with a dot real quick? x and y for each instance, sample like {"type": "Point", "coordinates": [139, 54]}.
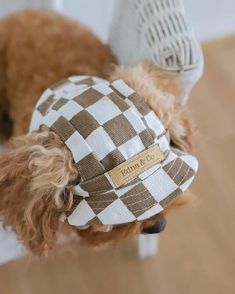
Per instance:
{"type": "Point", "coordinates": [103, 125]}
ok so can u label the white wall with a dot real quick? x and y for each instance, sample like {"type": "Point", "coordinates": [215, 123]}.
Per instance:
{"type": "Point", "coordinates": [11, 5]}
{"type": "Point", "coordinates": [211, 18]}
{"type": "Point", "coordinates": [95, 14]}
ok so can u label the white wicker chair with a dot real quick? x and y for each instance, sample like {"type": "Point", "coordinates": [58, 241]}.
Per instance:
{"type": "Point", "coordinates": [157, 30]}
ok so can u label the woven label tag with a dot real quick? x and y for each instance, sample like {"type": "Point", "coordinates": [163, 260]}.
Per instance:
{"type": "Point", "coordinates": [131, 168]}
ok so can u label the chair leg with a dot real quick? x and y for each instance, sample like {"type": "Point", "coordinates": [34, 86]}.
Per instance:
{"type": "Point", "coordinates": [147, 245]}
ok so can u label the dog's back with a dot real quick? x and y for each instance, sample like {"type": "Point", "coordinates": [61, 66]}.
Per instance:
{"type": "Point", "coordinates": [38, 48]}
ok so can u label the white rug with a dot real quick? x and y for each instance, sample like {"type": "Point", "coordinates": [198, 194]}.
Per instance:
{"type": "Point", "coordinates": [10, 248]}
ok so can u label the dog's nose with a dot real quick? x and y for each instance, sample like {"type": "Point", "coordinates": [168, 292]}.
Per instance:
{"type": "Point", "coordinates": [156, 228]}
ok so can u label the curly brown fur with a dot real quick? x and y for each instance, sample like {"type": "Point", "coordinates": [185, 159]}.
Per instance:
{"type": "Point", "coordinates": [34, 174]}
{"type": "Point", "coordinates": [37, 172]}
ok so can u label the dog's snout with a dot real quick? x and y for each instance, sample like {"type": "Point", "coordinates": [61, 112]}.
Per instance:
{"type": "Point", "coordinates": [158, 227]}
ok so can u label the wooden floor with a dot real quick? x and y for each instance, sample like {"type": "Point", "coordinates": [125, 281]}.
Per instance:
{"type": "Point", "coordinates": [197, 250]}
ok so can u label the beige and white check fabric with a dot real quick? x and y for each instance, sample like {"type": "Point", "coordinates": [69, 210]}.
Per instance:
{"type": "Point", "coordinates": [104, 125]}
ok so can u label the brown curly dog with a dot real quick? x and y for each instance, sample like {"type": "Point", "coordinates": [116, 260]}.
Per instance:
{"type": "Point", "coordinates": [37, 49]}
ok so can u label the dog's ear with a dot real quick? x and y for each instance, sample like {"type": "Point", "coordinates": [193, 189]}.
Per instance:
{"type": "Point", "coordinates": [161, 91]}
{"type": "Point", "coordinates": [35, 175]}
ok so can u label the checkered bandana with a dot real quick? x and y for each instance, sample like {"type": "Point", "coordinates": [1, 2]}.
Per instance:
{"type": "Point", "coordinates": [128, 170]}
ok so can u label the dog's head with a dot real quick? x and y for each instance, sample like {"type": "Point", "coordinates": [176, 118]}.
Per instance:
{"type": "Point", "coordinates": [38, 172]}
